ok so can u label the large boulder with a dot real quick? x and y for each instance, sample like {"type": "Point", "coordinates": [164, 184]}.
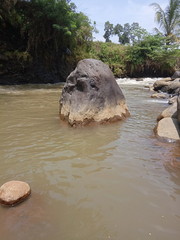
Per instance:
{"type": "Point", "coordinates": [91, 94]}
{"type": "Point", "coordinates": [168, 128]}
{"type": "Point", "coordinates": [14, 192]}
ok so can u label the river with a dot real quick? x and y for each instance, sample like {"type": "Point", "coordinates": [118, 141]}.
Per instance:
{"type": "Point", "coordinates": [114, 181]}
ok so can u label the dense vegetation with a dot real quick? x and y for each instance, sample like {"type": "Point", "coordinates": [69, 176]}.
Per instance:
{"type": "Point", "coordinates": [41, 37]}
{"type": "Point", "coordinates": [150, 57]}
{"type": "Point", "coordinates": [42, 40]}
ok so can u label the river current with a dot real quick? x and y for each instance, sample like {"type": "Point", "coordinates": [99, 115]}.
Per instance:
{"type": "Point", "coordinates": [115, 181]}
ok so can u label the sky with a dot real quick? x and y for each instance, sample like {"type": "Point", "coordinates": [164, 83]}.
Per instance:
{"type": "Point", "coordinates": [119, 11]}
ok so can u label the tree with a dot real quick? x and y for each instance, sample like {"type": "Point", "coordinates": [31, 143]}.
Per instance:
{"type": "Point", "coordinates": [49, 32]}
{"type": "Point", "coordinates": [130, 33]}
{"type": "Point", "coordinates": [168, 19]}
{"type": "Point", "coordinates": [109, 29]}
{"type": "Point", "coordinates": [118, 30]}
{"type": "Point", "coordinates": [137, 33]}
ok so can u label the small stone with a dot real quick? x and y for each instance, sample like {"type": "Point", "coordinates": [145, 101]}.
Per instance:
{"type": "Point", "coordinates": [14, 192]}
{"type": "Point", "coordinates": [159, 95]}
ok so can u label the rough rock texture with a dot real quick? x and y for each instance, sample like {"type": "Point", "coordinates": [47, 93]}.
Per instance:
{"type": "Point", "coordinates": [14, 192]}
{"type": "Point", "coordinates": [178, 109]}
{"type": "Point", "coordinates": [171, 111]}
{"type": "Point", "coordinates": [91, 94]}
{"type": "Point", "coordinates": [168, 128]}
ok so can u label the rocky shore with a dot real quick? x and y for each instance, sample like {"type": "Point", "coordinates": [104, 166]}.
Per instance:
{"type": "Point", "coordinates": [168, 122]}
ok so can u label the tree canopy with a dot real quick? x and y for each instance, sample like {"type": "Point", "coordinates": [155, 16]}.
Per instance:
{"type": "Point", "coordinates": [168, 19]}
{"type": "Point", "coordinates": [127, 34]}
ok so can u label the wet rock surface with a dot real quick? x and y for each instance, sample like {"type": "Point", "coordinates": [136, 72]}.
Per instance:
{"type": "Point", "coordinates": [14, 192]}
{"type": "Point", "coordinates": [91, 94]}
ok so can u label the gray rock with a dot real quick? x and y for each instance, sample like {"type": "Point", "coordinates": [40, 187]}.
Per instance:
{"type": "Point", "coordinates": [168, 128]}
{"type": "Point", "coordinates": [14, 192]}
{"type": "Point", "coordinates": [171, 111]}
{"type": "Point", "coordinates": [161, 84]}
{"type": "Point", "coordinates": [178, 109]}
{"type": "Point", "coordinates": [176, 75]}
{"type": "Point", "coordinates": [91, 94]}
{"type": "Point", "coordinates": [174, 87]}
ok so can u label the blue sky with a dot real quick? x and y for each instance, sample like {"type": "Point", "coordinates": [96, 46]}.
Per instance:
{"type": "Point", "coordinates": [119, 11]}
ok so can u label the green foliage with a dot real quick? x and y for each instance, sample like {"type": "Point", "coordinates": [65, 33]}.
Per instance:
{"type": "Point", "coordinates": [168, 19]}
{"type": "Point", "coordinates": [153, 55]}
{"type": "Point", "coordinates": [54, 34]}
{"type": "Point", "coordinates": [109, 30]}
{"type": "Point", "coordinates": [112, 54]}
{"type": "Point", "coordinates": [149, 57]}
{"type": "Point", "coordinates": [51, 31]}
{"type": "Point", "coordinates": [127, 34]}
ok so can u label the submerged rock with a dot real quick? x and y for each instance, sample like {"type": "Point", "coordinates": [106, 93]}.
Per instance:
{"type": "Point", "coordinates": [91, 94]}
{"type": "Point", "coordinates": [14, 192]}
{"type": "Point", "coordinates": [159, 95]}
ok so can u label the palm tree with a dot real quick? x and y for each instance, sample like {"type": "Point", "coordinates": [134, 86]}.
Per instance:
{"type": "Point", "coordinates": [168, 19]}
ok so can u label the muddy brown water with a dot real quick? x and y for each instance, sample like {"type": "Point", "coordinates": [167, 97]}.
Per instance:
{"type": "Point", "coordinates": [95, 183]}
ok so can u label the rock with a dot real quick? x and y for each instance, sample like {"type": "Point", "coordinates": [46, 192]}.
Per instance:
{"type": "Point", "coordinates": [151, 88]}
{"type": "Point", "coordinates": [165, 79]}
{"type": "Point", "coordinates": [172, 100]}
{"type": "Point", "coordinates": [171, 111]}
{"type": "Point", "coordinates": [159, 95]}
{"type": "Point", "coordinates": [174, 87]}
{"type": "Point", "coordinates": [161, 84]}
{"type": "Point", "coordinates": [91, 94]}
{"type": "Point", "coordinates": [14, 192]}
{"type": "Point", "coordinates": [176, 75]}
{"type": "Point", "coordinates": [168, 128]}
{"type": "Point", "coordinates": [178, 109]}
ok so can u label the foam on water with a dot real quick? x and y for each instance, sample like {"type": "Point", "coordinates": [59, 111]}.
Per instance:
{"type": "Point", "coordinates": [136, 81]}
{"type": "Point", "coordinates": [157, 100]}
